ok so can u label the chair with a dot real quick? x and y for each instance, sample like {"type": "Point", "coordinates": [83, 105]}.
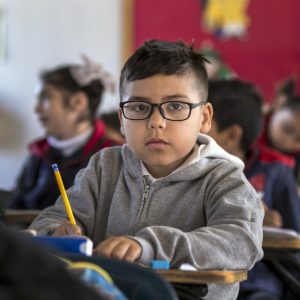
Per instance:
{"type": "Point", "coordinates": [5, 197]}
{"type": "Point", "coordinates": [286, 265]}
{"type": "Point", "coordinates": [136, 282]}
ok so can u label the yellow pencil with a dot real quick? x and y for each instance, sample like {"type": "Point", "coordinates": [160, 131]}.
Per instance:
{"type": "Point", "coordinates": [63, 194]}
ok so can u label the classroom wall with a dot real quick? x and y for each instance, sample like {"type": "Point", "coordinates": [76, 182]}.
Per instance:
{"type": "Point", "coordinates": [41, 34]}
{"type": "Point", "coordinates": [267, 55]}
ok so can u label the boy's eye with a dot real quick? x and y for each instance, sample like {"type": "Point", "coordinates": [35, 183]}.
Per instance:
{"type": "Point", "coordinates": [176, 106]}
{"type": "Point", "coordinates": [139, 107]}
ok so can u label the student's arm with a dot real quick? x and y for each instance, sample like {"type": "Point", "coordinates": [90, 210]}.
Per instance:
{"type": "Point", "coordinates": [25, 183]}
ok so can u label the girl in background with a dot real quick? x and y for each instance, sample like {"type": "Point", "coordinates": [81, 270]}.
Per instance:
{"type": "Point", "coordinates": [67, 102]}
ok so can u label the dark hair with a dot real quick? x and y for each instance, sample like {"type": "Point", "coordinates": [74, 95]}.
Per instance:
{"type": "Point", "coordinates": [166, 58]}
{"type": "Point", "coordinates": [111, 119]}
{"type": "Point", "coordinates": [237, 102]}
{"type": "Point", "coordinates": [287, 88]}
{"type": "Point", "coordinates": [62, 79]}
{"type": "Point", "coordinates": [292, 103]}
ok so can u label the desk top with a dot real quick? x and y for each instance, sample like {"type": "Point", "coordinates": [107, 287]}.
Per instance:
{"type": "Point", "coordinates": [276, 243]}
{"type": "Point", "coordinates": [203, 276]}
{"type": "Point", "coordinates": [25, 216]}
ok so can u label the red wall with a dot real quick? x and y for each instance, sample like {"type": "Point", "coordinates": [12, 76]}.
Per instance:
{"type": "Point", "coordinates": [267, 56]}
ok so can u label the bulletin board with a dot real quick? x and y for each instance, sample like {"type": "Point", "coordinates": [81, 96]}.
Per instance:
{"type": "Point", "coordinates": [267, 55]}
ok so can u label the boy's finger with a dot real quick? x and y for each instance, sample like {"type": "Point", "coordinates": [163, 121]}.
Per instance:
{"type": "Point", "coordinates": [72, 229]}
{"type": "Point", "coordinates": [119, 251]}
{"type": "Point", "coordinates": [106, 247]}
{"type": "Point", "coordinates": [132, 254]}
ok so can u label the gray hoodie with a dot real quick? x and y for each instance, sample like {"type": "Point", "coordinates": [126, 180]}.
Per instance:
{"type": "Point", "coordinates": [206, 214]}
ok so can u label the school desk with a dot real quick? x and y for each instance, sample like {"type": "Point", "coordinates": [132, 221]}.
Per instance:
{"type": "Point", "coordinates": [281, 244]}
{"type": "Point", "coordinates": [20, 216]}
{"type": "Point", "coordinates": [203, 276]}
{"type": "Point", "coordinates": [184, 282]}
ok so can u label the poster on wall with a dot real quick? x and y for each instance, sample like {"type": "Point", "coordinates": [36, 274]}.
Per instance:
{"type": "Point", "coordinates": [226, 18]}
{"type": "Point", "coordinates": [255, 40]}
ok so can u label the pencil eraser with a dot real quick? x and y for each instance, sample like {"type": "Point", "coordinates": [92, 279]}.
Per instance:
{"type": "Point", "coordinates": [55, 167]}
{"type": "Point", "coordinates": [160, 264]}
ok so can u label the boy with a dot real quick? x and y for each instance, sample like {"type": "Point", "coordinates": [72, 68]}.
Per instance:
{"type": "Point", "coordinates": [169, 193]}
{"type": "Point", "coordinates": [236, 125]}
{"type": "Point", "coordinates": [68, 98]}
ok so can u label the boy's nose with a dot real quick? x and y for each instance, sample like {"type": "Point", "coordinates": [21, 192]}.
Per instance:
{"type": "Point", "coordinates": [156, 120]}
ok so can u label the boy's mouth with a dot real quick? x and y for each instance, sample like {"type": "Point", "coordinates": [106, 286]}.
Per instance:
{"type": "Point", "coordinates": [156, 142]}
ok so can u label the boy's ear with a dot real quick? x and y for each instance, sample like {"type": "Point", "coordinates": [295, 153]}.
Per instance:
{"type": "Point", "coordinates": [79, 102]}
{"type": "Point", "coordinates": [207, 113]}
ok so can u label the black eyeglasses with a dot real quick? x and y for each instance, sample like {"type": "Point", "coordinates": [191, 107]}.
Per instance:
{"type": "Point", "coordinates": [170, 110]}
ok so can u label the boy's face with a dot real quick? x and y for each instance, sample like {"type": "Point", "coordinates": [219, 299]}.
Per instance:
{"type": "Point", "coordinates": [57, 119]}
{"type": "Point", "coordinates": [284, 130]}
{"type": "Point", "coordinates": [229, 139]}
{"type": "Point", "coordinates": [163, 145]}
{"type": "Point", "coordinates": [217, 135]}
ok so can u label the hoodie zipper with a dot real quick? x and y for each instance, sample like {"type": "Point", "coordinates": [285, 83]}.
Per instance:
{"type": "Point", "coordinates": [144, 199]}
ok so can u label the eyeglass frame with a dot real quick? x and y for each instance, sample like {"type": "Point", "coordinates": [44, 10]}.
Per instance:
{"type": "Point", "coordinates": [159, 106]}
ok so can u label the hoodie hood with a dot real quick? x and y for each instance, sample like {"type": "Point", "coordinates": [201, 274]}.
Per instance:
{"type": "Point", "coordinates": [213, 150]}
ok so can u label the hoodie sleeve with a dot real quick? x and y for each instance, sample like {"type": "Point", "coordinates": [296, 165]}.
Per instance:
{"type": "Point", "coordinates": [231, 239]}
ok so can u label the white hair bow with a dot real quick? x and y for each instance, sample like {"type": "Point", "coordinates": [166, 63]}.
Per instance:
{"type": "Point", "coordinates": [87, 72]}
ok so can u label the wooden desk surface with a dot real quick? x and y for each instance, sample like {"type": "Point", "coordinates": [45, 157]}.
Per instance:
{"type": "Point", "coordinates": [203, 276]}
{"type": "Point", "coordinates": [25, 216]}
{"type": "Point", "coordinates": [275, 243]}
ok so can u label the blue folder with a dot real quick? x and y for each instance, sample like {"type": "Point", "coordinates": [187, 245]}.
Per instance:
{"type": "Point", "coordinates": [68, 244]}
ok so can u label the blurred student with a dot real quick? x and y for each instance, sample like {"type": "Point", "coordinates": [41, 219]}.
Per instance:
{"type": "Point", "coordinates": [112, 126]}
{"type": "Point", "coordinates": [170, 192]}
{"type": "Point", "coordinates": [68, 99]}
{"type": "Point", "coordinates": [30, 272]}
{"type": "Point", "coordinates": [236, 125]}
{"type": "Point", "coordinates": [282, 130]}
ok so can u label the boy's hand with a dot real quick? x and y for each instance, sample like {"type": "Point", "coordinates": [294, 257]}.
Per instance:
{"type": "Point", "coordinates": [67, 228]}
{"type": "Point", "coordinates": [119, 247]}
{"type": "Point", "coordinates": [272, 217]}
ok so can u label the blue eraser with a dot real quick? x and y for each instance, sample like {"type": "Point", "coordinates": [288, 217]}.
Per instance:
{"type": "Point", "coordinates": [160, 264]}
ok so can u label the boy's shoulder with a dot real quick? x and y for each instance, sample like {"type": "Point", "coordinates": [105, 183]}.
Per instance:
{"type": "Point", "coordinates": [108, 156]}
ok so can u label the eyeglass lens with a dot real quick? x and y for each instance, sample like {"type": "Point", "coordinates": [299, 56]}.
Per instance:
{"type": "Point", "coordinates": [169, 110]}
